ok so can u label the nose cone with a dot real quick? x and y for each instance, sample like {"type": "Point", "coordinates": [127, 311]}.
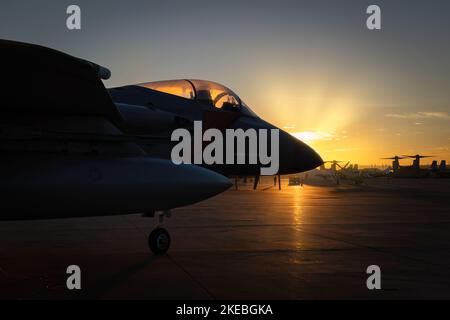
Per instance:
{"type": "Point", "coordinates": [296, 156]}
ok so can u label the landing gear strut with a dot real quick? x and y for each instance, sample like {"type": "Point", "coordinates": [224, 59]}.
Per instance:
{"type": "Point", "coordinates": [159, 238]}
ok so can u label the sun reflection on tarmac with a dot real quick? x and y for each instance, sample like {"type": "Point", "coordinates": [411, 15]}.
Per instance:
{"type": "Point", "coordinates": [298, 217]}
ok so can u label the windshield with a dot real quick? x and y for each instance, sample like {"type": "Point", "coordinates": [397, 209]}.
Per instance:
{"type": "Point", "coordinates": [181, 88]}
{"type": "Point", "coordinates": [207, 92]}
{"type": "Point", "coordinates": [216, 95]}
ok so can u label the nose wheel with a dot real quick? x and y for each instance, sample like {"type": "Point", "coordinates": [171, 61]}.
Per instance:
{"type": "Point", "coordinates": [159, 238]}
{"type": "Point", "coordinates": [159, 241]}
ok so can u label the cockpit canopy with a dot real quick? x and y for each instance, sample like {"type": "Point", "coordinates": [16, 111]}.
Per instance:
{"type": "Point", "coordinates": [207, 92]}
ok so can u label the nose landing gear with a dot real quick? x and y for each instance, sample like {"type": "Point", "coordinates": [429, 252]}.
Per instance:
{"type": "Point", "coordinates": [159, 239]}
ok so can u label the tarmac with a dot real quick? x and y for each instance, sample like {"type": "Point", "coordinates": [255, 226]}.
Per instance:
{"type": "Point", "coordinates": [303, 242]}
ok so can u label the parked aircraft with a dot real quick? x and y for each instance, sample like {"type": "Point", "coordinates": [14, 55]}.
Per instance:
{"type": "Point", "coordinates": [412, 171]}
{"type": "Point", "coordinates": [71, 148]}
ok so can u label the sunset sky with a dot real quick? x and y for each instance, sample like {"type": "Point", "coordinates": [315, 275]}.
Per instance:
{"type": "Point", "coordinates": [310, 67]}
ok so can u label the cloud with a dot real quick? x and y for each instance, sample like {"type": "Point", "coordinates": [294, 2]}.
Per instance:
{"type": "Point", "coordinates": [312, 136]}
{"type": "Point", "coordinates": [420, 115]}
{"type": "Point", "coordinates": [436, 115]}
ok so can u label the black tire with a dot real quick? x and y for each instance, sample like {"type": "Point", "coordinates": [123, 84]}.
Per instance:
{"type": "Point", "coordinates": [159, 241]}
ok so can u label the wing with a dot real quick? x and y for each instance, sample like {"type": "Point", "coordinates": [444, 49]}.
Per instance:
{"type": "Point", "coordinates": [41, 80]}
{"type": "Point", "coordinates": [52, 103]}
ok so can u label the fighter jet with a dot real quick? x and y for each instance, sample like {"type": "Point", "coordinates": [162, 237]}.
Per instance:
{"type": "Point", "coordinates": [72, 148]}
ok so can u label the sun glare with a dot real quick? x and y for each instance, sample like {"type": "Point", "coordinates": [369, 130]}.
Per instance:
{"type": "Point", "coordinates": [313, 136]}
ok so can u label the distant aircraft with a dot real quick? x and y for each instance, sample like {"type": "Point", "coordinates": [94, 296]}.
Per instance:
{"type": "Point", "coordinates": [71, 148]}
{"type": "Point", "coordinates": [334, 165]}
{"type": "Point", "coordinates": [416, 170]}
{"type": "Point", "coordinates": [348, 173]}
{"type": "Point", "coordinates": [440, 171]}
{"type": "Point", "coordinates": [395, 162]}
{"type": "Point", "coordinates": [375, 172]}
{"type": "Point", "coordinates": [332, 175]}
{"type": "Point", "coordinates": [416, 161]}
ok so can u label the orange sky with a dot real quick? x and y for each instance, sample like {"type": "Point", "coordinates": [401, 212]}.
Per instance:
{"type": "Point", "coordinates": [311, 67]}
{"type": "Point", "coordinates": [345, 124]}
